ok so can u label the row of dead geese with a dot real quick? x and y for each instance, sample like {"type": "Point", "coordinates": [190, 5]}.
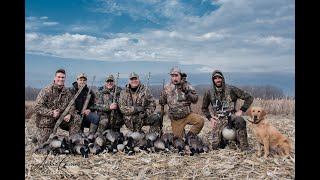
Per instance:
{"type": "Point", "coordinates": [130, 143]}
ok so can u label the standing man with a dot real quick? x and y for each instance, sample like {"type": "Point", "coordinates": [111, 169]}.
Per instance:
{"type": "Point", "coordinates": [50, 104]}
{"type": "Point", "coordinates": [105, 105]}
{"type": "Point", "coordinates": [138, 105]}
{"type": "Point", "coordinates": [90, 118]}
{"type": "Point", "coordinates": [224, 95]}
{"type": "Point", "coordinates": [179, 94]}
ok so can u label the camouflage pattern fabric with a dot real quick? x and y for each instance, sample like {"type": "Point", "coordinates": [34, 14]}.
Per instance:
{"type": "Point", "coordinates": [217, 131]}
{"type": "Point", "coordinates": [129, 100]}
{"type": "Point", "coordinates": [241, 133]}
{"type": "Point", "coordinates": [104, 98]}
{"type": "Point", "coordinates": [73, 126]}
{"type": "Point", "coordinates": [48, 99]}
{"type": "Point", "coordinates": [227, 94]}
{"type": "Point", "coordinates": [230, 94]}
{"type": "Point", "coordinates": [179, 98]}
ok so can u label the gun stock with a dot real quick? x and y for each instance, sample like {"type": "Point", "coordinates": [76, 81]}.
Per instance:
{"type": "Point", "coordinates": [86, 102]}
{"type": "Point", "coordinates": [162, 109]}
{"type": "Point", "coordinates": [114, 98]}
{"type": "Point", "coordinates": [145, 91]}
{"type": "Point", "coordinates": [65, 112]}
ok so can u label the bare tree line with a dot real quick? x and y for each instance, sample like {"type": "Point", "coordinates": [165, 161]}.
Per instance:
{"type": "Point", "coordinates": [263, 92]}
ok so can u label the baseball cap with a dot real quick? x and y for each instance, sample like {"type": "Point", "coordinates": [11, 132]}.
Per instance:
{"type": "Point", "coordinates": [175, 70]}
{"type": "Point", "coordinates": [81, 75]}
{"type": "Point", "coordinates": [133, 74]}
{"type": "Point", "coordinates": [110, 77]}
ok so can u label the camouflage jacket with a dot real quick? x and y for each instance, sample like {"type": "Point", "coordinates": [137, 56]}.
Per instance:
{"type": "Point", "coordinates": [48, 99]}
{"type": "Point", "coordinates": [128, 100]}
{"type": "Point", "coordinates": [82, 97]}
{"type": "Point", "coordinates": [104, 99]}
{"type": "Point", "coordinates": [178, 101]}
{"type": "Point", "coordinates": [232, 94]}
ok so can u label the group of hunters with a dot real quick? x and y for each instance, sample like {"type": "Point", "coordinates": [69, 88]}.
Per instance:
{"type": "Point", "coordinates": [134, 106]}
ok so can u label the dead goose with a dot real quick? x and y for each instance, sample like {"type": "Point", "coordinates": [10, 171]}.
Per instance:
{"type": "Point", "coordinates": [120, 147]}
{"type": "Point", "coordinates": [168, 139]}
{"type": "Point", "coordinates": [179, 144]}
{"type": "Point", "coordinates": [94, 148]}
{"type": "Point", "coordinates": [44, 149]}
{"type": "Point", "coordinates": [195, 145]}
{"type": "Point", "coordinates": [128, 149]}
{"type": "Point", "coordinates": [159, 145]}
{"type": "Point", "coordinates": [152, 136]}
{"type": "Point", "coordinates": [100, 141]}
{"type": "Point", "coordinates": [137, 136]}
{"type": "Point", "coordinates": [83, 150]}
{"type": "Point", "coordinates": [205, 148]}
{"type": "Point", "coordinates": [57, 143]}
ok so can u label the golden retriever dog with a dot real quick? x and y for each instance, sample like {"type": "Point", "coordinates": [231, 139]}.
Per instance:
{"type": "Point", "coordinates": [266, 134]}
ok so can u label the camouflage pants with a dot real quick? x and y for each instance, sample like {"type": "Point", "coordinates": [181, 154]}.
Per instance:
{"type": "Point", "coordinates": [73, 126]}
{"type": "Point", "coordinates": [105, 123]}
{"type": "Point", "coordinates": [193, 119]}
{"type": "Point", "coordinates": [241, 133]}
{"type": "Point", "coordinates": [136, 124]}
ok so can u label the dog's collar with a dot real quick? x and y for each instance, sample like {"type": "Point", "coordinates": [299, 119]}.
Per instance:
{"type": "Point", "coordinates": [256, 122]}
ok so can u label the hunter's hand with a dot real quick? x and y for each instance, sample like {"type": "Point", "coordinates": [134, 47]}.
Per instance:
{"type": "Point", "coordinates": [185, 88]}
{"type": "Point", "coordinates": [113, 106]}
{"type": "Point", "coordinates": [213, 121]}
{"type": "Point", "coordinates": [67, 118]}
{"type": "Point", "coordinates": [86, 112]}
{"type": "Point", "coordinates": [238, 113]}
{"type": "Point", "coordinates": [56, 113]}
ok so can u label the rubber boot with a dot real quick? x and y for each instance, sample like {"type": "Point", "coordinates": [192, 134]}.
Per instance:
{"type": "Point", "coordinates": [242, 137]}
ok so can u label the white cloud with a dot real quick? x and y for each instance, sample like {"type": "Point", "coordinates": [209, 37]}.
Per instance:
{"type": "Point", "coordinates": [35, 23]}
{"type": "Point", "coordinates": [50, 23]}
{"type": "Point", "coordinates": [242, 35]}
{"type": "Point", "coordinates": [44, 17]}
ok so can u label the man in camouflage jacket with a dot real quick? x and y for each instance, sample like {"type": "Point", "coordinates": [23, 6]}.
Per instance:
{"type": "Point", "coordinates": [90, 118]}
{"type": "Point", "coordinates": [111, 117]}
{"type": "Point", "coordinates": [179, 94]}
{"type": "Point", "coordinates": [224, 94]}
{"type": "Point", "coordinates": [138, 105]}
{"type": "Point", "coordinates": [50, 104]}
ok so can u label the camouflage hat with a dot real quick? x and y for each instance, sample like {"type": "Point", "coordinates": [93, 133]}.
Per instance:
{"type": "Point", "coordinates": [81, 75]}
{"type": "Point", "coordinates": [110, 77]}
{"type": "Point", "coordinates": [217, 74]}
{"type": "Point", "coordinates": [133, 74]}
{"type": "Point", "coordinates": [175, 70]}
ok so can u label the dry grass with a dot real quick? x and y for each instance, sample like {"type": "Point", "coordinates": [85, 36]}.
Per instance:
{"type": "Point", "coordinates": [225, 163]}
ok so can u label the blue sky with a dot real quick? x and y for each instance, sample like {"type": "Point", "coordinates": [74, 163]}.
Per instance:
{"type": "Point", "coordinates": [153, 35]}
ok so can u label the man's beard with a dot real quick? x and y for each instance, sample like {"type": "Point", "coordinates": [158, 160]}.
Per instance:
{"type": "Point", "coordinates": [218, 86]}
{"type": "Point", "coordinates": [176, 82]}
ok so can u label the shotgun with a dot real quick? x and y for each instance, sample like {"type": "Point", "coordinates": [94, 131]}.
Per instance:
{"type": "Point", "coordinates": [65, 112]}
{"type": "Point", "coordinates": [114, 98]}
{"type": "Point", "coordinates": [162, 109]}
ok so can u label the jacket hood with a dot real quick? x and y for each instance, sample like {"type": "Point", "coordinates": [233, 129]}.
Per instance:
{"type": "Point", "coordinates": [218, 73]}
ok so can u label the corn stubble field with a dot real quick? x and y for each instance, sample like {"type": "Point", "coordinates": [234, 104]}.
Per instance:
{"type": "Point", "coordinates": [228, 163]}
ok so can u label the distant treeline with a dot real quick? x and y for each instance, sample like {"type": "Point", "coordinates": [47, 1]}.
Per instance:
{"type": "Point", "coordinates": [263, 92]}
